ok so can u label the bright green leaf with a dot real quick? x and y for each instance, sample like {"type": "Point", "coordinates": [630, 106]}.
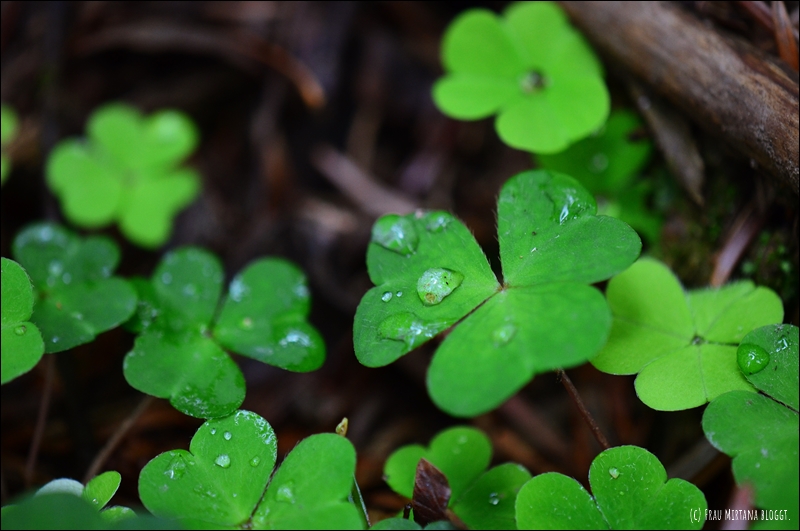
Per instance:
{"type": "Point", "coordinates": [682, 345]}
{"type": "Point", "coordinates": [222, 477]}
{"type": "Point", "coordinates": [77, 298]}
{"type": "Point", "coordinates": [551, 246]}
{"type": "Point", "coordinates": [630, 490]}
{"type": "Point", "coordinates": [489, 502]}
{"type": "Point", "coordinates": [100, 489]}
{"type": "Point", "coordinates": [531, 68]}
{"type": "Point", "coordinates": [22, 345]}
{"type": "Point", "coordinates": [127, 171]}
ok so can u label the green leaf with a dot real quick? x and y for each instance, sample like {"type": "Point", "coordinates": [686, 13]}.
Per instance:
{"type": "Point", "coordinates": [551, 246]}
{"type": "Point", "coordinates": [9, 123]}
{"type": "Point", "coordinates": [100, 489]}
{"type": "Point", "coordinates": [630, 490]}
{"type": "Point", "coordinates": [52, 511]}
{"type": "Point", "coordinates": [179, 353]}
{"type": "Point", "coordinates": [606, 161]}
{"type": "Point", "coordinates": [399, 524]}
{"type": "Point", "coordinates": [761, 434]}
{"type": "Point", "coordinates": [222, 477]}
{"type": "Point", "coordinates": [310, 489]}
{"type": "Point", "coordinates": [460, 453]}
{"type": "Point", "coordinates": [489, 501]}
{"type": "Point", "coordinates": [264, 317]}
{"type": "Point", "coordinates": [77, 298]}
{"type": "Point", "coordinates": [531, 67]}
{"type": "Point", "coordinates": [128, 171]}
{"type": "Point", "coordinates": [22, 345]}
{"type": "Point", "coordinates": [682, 345]}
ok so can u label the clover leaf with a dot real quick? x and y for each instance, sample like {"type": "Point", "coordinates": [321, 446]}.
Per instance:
{"type": "Point", "coordinates": [482, 499]}
{"type": "Point", "coordinates": [760, 432]}
{"type": "Point", "coordinates": [683, 345]}
{"type": "Point", "coordinates": [430, 273]}
{"type": "Point", "coordinates": [398, 523]}
{"type": "Point", "coordinates": [224, 479]}
{"type": "Point", "coordinates": [76, 296]}
{"type": "Point", "coordinates": [9, 123]}
{"type": "Point", "coordinates": [531, 67]}
{"type": "Point", "coordinates": [127, 171]}
{"type": "Point", "coordinates": [22, 345]}
{"type": "Point", "coordinates": [630, 491]}
{"type": "Point", "coordinates": [180, 354]}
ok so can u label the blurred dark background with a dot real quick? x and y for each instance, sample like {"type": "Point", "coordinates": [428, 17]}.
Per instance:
{"type": "Point", "coordinates": [315, 118]}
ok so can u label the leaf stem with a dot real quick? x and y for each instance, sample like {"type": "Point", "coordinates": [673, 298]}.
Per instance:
{"type": "Point", "coordinates": [41, 418]}
{"type": "Point", "coordinates": [576, 398]}
{"type": "Point", "coordinates": [116, 438]}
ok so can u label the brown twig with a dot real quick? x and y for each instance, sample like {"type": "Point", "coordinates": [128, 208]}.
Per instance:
{"type": "Point", "coordinates": [784, 36]}
{"type": "Point", "coordinates": [41, 418]}
{"type": "Point", "coordinates": [587, 416]}
{"type": "Point", "coordinates": [744, 229]}
{"type": "Point", "coordinates": [115, 439]}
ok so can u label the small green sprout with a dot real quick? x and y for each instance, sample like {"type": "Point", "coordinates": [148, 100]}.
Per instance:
{"type": "Point", "coordinates": [760, 431]}
{"type": "Point", "coordinates": [431, 274]}
{"type": "Point", "coordinates": [9, 123]}
{"type": "Point", "coordinates": [183, 330]}
{"type": "Point", "coordinates": [22, 345]}
{"type": "Point", "coordinates": [127, 171]}
{"type": "Point", "coordinates": [77, 297]}
{"type": "Point", "coordinates": [531, 67]}
{"type": "Point", "coordinates": [226, 479]}
{"type": "Point", "coordinates": [683, 345]}
{"type": "Point", "coordinates": [630, 491]}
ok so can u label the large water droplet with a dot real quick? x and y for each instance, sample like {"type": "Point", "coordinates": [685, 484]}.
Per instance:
{"type": "Point", "coordinates": [613, 472]}
{"type": "Point", "coordinates": [503, 334]}
{"type": "Point", "coordinates": [409, 328]}
{"type": "Point", "coordinates": [396, 233]}
{"type": "Point", "coordinates": [752, 358]}
{"type": "Point", "coordinates": [387, 296]}
{"type": "Point", "coordinates": [176, 467]}
{"type": "Point", "coordinates": [494, 498]}
{"type": "Point", "coordinates": [437, 283]}
{"type": "Point", "coordinates": [20, 330]}
{"type": "Point", "coordinates": [568, 203]}
{"type": "Point", "coordinates": [223, 460]}
{"type": "Point", "coordinates": [437, 221]}
{"type": "Point", "coordinates": [285, 493]}
{"type": "Point", "coordinates": [227, 436]}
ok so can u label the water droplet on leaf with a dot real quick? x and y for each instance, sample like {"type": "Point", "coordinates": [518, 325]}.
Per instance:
{"type": "Point", "coordinates": [246, 324]}
{"type": "Point", "coordinates": [409, 328]}
{"type": "Point", "coordinates": [396, 233]}
{"type": "Point", "coordinates": [285, 493]}
{"type": "Point", "coordinates": [613, 472]}
{"type": "Point", "coordinates": [176, 467]}
{"type": "Point", "coordinates": [213, 431]}
{"type": "Point", "coordinates": [598, 163]}
{"type": "Point", "coordinates": [255, 461]}
{"type": "Point", "coordinates": [494, 498]}
{"type": "Point", "coordinates": [503, 334]}
{"type": "Point", "coordinates": [399, 293]}
{"type": "Point", "coordinates": [387, 296]}
{"type": "Point", "coordinates": [437, 221]}
{"type": "Point", "coordinates": [223, 460]}
{"type": "Point", "coordinates": [437, 283]}
{"type": "Point", "coordinates": [20, 330]}
{"type": "Point", "coordinates": [166, 278]}
{"type": "Point", "coordinates": [227, 436]}
{"type": "Point", "coordinates": [752, 358]}
{"type": "Point", "coordinates": [190, 290]}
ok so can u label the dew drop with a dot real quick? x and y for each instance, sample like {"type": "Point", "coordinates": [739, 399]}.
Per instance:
{"type": "Point", "coordinates": [437, 283]}
{"type": "Point", "coordinates": [613, 472]}
{"type": "Point", "coordinates": [752, 358]}
{"type": "Point", "coordinates": [213, 431]}
{"type": "Point", "coordinates": [55, 339]}
{"type": "Point", "coordinates": [285, 493]}
{"type": "Point", "coordinates": [494, 498]}
{"type": "Point", "coordinates": [437, 221]}
{"type": "Point", "coordinates": [238, 289]}
{"type": "Point", "coordinates": [66, 278]}
{"type": "Point", "coordinates": [20, 330]}
{"type": "Point", "coordinates": [227, 436]}
{"type": "Point", "coordinates": [190, 290]}
{"type": "Point", "coordinates": [387, 296]}
{"type": "Point", "coordinates": [399, 294]}
{"type": "Point", "coordinates": [503, 334]}
{"type": "Point", "coordinates": [176, 467]}
{"type": "Point", "coordinates": [255, 461]}
{"type": "Point", "coordinates": [246, 323]}
{"type": "Point", "coordinates": [409, 328]}
{"type": "Point", "coordinates": [598, 163]}
{"type": "Point", "coordinates": [166, 278]}
{"type": "Point", "coordinates": [55, 268]}
{"type": "Point", "coordinates": [396, 233]}
{"type": "Point", "coordinates": [223, 460]}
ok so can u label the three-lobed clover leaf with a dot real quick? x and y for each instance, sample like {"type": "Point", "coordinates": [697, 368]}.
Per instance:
{"type": "Point", "coordinates": [179, 352]}
{"type": "Point", "coordinates": [683, 345]}
{"type": "Point", "coordinates": [630, 491]}
{"type": "Point", "coordinates": [77, 297]}
{"type": "Point", "coordinates": [9, 123]}
{"type": "Point", "coordinates": [760, 432]}
{"type": "Point", "coordinates": [22, 345]}
{"type": "Point", "coordinates": [482, 499]}
{"type": "Point", "coordinates": [224, 479]}
{"type": "Point", "coordinates": [544, 316]}
{"type": "Point", "coordinates": [606, 163]}
{"type": "Point", "coordinates": [531, 67]}
{"type": "Point", "coordinates": [127, 171]}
